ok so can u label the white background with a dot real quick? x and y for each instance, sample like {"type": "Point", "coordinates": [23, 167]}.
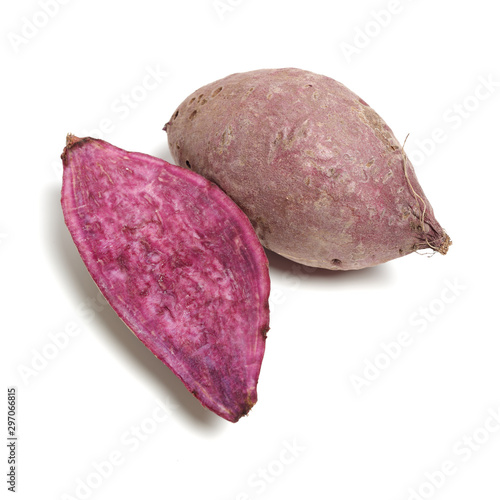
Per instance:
{"type": "Point", "coordinates": [82, 68]}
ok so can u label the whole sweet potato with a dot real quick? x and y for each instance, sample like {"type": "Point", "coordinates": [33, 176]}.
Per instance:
{"type": "Point", "coordinates": [317, 171]}
{"type": "Point", "coordinates": [178, 261]}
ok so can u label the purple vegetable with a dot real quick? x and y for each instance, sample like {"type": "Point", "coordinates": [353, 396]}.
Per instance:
{"type": "Point", "coordinates": [317, 171]}
{"type": "Point", "coordinates": [178, 261]}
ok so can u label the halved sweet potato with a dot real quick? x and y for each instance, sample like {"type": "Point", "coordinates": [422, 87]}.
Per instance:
{"type": "Point", "coordinates": [178, 261]}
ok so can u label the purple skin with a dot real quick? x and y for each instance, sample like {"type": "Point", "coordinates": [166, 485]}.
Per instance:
{"type": "Point", "coordinates": [178, 261]}
{"type": "Point", "coordinates": [317, 171]}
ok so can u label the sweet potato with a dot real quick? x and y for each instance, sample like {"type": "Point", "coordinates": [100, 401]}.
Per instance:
{"type": "Point", "coordinates": [178, 261]}
{"type": "Point", "coordinates": [317, 171]}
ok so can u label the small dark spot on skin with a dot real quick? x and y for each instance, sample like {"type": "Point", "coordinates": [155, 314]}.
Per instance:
{"type": "Point", "coordinates": [216, 91]}
{"type": "Point", "coordinates": [307, 86]}
{"type": "Point", "coordinates": [188, 165]}
{"type": "Point", "coordinates": [278, 138]}
{"type": "Point", "coordinates": [199, 97]}
{"type": "Point", "coordinates": [203, 102]}
{"type": "Point", "coordinates": [193, 114]}
{"type": "Point", "coordinates": [400, 251]}
{"type": "Point", "coordinates": [417, 226]}
{"type": "Point", "coordinates": [176, 114]}
{"type": "Point", "coordinates": [336, 262]}
{"type": "Point", "coordinates": [191, 101]}
{"type": "Point", "coordinates": [261, 228]}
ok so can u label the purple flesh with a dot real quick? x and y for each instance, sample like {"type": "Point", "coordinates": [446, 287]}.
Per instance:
{"type": "Point", "coordinates": [178, 261]}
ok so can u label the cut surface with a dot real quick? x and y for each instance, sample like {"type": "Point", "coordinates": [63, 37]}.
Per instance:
{"type": "Point", "coordinates": [179, 263]}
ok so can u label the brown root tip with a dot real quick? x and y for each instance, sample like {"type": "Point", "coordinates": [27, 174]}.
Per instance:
{"type": "Point", "coordinates": [443, 248]}
{"type": "Point", "coordinates": [71, 140]}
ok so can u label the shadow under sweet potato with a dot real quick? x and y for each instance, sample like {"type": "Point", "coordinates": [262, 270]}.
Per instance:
{"type": "Point", "coordinates": [325, 278]}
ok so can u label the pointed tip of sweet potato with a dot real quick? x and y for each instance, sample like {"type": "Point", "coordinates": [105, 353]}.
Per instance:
{"type": "Point", "coordinates": [241, 409]}
{"type": "Point", "coordinates": [445, 244]}
{"type": "Point", "coordinates": [71, 140]}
